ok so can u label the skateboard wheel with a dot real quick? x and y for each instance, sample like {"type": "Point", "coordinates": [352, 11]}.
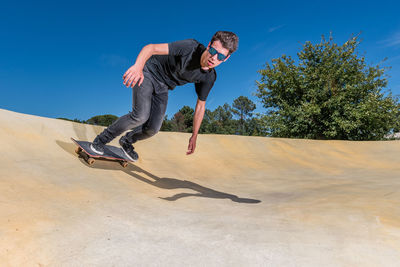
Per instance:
{"type": "Point", "coordinates": [78, 150]}
{"type": "Point", "coordinates": [124, 164]}
{"type": "Point", "coordinates": [90, 161]}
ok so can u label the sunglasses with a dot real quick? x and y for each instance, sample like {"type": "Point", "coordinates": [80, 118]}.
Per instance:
{"type": "Point", "coordinates": [213, 51]}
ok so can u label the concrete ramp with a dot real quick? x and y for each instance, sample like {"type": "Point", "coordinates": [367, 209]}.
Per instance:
{"type": "Point", "coordinates": [238, 201]}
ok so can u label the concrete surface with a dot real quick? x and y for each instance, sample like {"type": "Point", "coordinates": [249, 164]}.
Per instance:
{"type": "Point", "coordinates": [238, 201]}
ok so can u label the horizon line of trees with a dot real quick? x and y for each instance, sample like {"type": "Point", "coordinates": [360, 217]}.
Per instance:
{"type": "Point", "coordinates": [226, 119]}
{"type": "Point", "coordinates": [235, 119]}
{"type": "Point", "coordinates": [100, 120]}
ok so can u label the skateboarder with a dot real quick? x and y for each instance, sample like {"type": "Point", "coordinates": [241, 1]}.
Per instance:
{"type": "Point", "coordinates": [159, 68]}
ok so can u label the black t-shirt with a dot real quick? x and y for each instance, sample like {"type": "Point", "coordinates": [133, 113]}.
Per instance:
{"type": "Point", "coordinates": [181, 66]}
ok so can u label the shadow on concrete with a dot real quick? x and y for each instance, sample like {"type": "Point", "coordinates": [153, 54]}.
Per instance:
{"type": "Point", "coordinates": [172, 183]}
{"type": "Point", "coordinates": [164, 183]}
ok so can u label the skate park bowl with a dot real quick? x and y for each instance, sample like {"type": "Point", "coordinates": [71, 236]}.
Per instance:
{"type": "Point", "coordinates": [237, 201]}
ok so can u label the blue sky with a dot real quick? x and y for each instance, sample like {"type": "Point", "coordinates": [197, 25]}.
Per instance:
{"type": "Point", "coordinates": [67, 58]}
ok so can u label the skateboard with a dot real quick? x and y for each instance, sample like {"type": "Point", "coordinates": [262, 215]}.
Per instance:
{"type": "Point", "coordinates": [110, 153]}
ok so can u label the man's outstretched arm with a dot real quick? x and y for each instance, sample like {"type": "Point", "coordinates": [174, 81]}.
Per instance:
{"type": "Point", "coordinates": [135, 73]}
{"type": "Point", "coordinates": [197, 119]}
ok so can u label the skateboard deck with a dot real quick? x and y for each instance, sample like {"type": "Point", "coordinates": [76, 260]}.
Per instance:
{"type": "Point", "coordinates": [110, 153]}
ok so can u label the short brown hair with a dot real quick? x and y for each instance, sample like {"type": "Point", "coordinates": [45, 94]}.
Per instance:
{"type": "Point", "coordinates": [229, 40]}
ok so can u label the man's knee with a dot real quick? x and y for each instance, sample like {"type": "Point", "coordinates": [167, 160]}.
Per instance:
{"type": "Point", "coordinates": [138, 119]}
{"type": "Point", "coordinates": [150, 131]}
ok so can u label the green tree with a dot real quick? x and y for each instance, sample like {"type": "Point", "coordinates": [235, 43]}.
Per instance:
{"type": "Point", "coordinates": [103, 120]}
{"type": "Point", "coordinates": [221, 120]}
{"type": "Point", "coordinates": [187, 113]}
{"type": "Point", "coordinates": [254, 127]}
{"type": "Point", "coordinates": [243, 107]}
{"type": "Point", "coordinates": [166, 125]}
{"type": "Point", "coordinates": [183, 120]}
{"type": "Point", "coordinates": [178, 123]}
{"type": "Point", "coordinates": [330, 94]}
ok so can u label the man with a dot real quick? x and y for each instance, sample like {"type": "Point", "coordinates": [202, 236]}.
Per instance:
{"type": "Point", "coordinates": [159, 68]}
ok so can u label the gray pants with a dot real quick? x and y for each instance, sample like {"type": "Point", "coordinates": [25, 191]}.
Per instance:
{"type": "Point", "coordinates": [148, 110]}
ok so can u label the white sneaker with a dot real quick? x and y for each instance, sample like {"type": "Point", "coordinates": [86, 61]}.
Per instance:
{"type": "Point", "coordinates": [97, 149]}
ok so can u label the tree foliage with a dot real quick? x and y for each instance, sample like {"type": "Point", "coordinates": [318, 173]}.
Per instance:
{"type": "Point", "coordinates": [330, 94]}
{"type": "Point", "coordinates": [243, 107]}
{"type": "Point", "coordinates": [181, 122]}
{"type": "Point", "coordinates": [102, 120]}
{"type": "Point", "coordinates": [218, 121]}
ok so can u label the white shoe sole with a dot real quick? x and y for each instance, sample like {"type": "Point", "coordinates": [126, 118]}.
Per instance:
{"type": "Point", "coordinates": [94, 150]}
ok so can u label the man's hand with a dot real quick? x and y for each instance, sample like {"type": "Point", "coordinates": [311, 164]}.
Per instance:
{"type": "Point", "coordinates": [192, 145]}
{"type": "Point", "coordinates": [133, 75]}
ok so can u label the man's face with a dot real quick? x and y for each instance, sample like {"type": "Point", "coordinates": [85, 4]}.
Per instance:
{"type": "Point", "coordinates": [209, 61]}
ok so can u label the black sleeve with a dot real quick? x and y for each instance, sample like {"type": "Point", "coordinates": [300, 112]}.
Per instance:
{"type": "Point", "coordinates": [203, 89]}
{"type": "Point", "coordinates": [181, 48]}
